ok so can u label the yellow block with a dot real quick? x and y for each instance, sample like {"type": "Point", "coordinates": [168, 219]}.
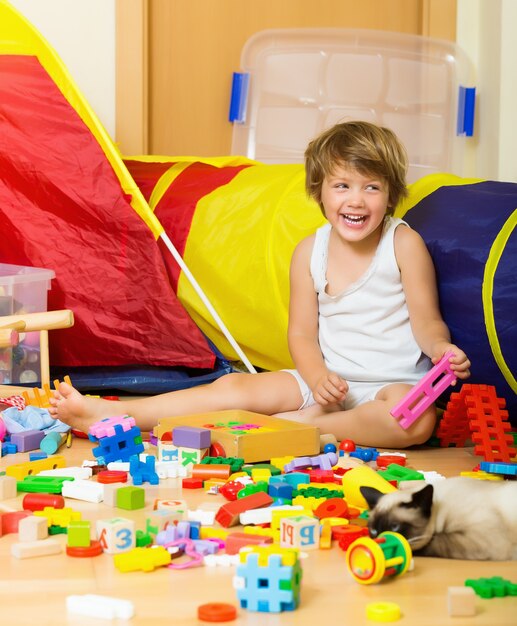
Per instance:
{"type": "Point", "coordinates": [31, 468]}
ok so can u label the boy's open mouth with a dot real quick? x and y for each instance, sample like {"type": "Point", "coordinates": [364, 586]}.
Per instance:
{"type": "Point", "coordinates": [354, 219]}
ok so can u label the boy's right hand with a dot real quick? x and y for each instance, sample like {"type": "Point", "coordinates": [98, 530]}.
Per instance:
{"type": "Point", "coordinates": [330, 389]}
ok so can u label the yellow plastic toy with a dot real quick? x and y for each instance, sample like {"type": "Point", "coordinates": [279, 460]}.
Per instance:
{"type": "Point", "coordinates": [371, 560]}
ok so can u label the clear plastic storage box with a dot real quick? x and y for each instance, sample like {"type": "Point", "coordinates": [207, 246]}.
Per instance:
{"type": "Point", "coordinates": [302, 81]}
{"type": "Point", "coordinates": [22, 290]}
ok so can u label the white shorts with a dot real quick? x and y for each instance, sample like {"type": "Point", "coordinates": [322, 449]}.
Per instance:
{"type": "Point", "coordinates": [358, 393]}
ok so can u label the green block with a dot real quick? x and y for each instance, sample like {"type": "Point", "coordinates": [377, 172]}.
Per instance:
{"type": "Point", "coordinates": [143, 539]}
{"type": "Point", "coordinates": [57, 530]}
{"type": "Point", "coordinates": [42, 484]}
{"type": "Point", "coordinates": [400, 473]}
{"type": "Point", "coordinates": [79, 533]}
{"type": "Point", "coordinates": [130, 498]}
{"type": "Point", "coordinates": [492, 587]}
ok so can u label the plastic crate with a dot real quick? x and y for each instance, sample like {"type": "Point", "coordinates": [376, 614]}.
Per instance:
{"type": "Point", "coordinates": [22, 290]}
{"type": "Point", "coordinates": [297, 82]}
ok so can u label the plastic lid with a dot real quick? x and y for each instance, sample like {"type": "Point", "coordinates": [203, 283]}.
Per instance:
{"type": "Point", "coordinates": [305, 80]}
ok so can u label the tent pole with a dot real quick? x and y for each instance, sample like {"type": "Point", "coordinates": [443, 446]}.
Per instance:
{"type": "Point", "coordinates": [179, 260]}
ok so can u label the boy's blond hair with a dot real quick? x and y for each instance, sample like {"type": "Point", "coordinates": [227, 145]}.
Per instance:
{"type": "Point", "coordinates": [365, 147]}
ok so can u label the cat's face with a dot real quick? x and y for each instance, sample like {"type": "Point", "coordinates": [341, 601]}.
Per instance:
{"type": "Point", "coordinates": [404, 512]}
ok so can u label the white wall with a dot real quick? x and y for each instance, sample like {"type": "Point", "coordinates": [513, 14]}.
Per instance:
{"type": "Point", "coordinates": [486, 30]}
{"type": "Point", "coordinates": [83, 34]}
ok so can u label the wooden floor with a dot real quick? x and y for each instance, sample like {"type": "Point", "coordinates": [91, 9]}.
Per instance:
{"type": "Point", "coordinates": [33, 591]}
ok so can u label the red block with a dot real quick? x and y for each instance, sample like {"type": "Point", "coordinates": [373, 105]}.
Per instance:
{"type": "Point", "coordinates": [228, 514]}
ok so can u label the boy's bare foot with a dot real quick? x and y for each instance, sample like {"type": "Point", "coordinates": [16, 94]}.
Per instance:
{"type": "Point", "coordinates": [78, 411]}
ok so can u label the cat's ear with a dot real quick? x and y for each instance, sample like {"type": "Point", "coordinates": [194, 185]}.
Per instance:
{"type": "Point", "coordinates": [423, 500]}
{"type": "Point", "coordinates": [371, 495]}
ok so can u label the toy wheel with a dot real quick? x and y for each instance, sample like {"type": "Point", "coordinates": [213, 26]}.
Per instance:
{"type": "Point", "coordinates": [402, 549]}
{"type": "Point", "coordinates": [365, 561]}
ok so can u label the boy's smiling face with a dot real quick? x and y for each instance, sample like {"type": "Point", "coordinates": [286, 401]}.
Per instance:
{"type": "Point", "coordinates": [355, 204]}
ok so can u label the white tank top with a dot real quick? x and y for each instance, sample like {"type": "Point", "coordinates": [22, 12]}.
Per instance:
{"type": "Point", "coordinates": [364, 332]}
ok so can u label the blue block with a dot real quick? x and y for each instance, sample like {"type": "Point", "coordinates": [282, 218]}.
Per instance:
{"type": "Point", "coordinates": [272, 588]}
{"type": "Point", "coordinates": [36, 456]}
{"type": "Point", "coordinates": [143, 472]}
{"type": "Point", "coordinates": [119, 447]}
{"type": "Point", "coordinates": [508, 469]}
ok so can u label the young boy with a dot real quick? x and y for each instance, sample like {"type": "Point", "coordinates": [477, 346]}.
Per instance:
{"type": "Point", "coordinates": [364, 319]}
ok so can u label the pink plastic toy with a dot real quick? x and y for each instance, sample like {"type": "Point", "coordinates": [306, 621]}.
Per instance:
{"type": "Point", "coordinates": [424, 393]}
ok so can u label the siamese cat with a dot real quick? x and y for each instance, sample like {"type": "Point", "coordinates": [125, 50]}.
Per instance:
{"type": "Point", "coordinates": [457, 518]}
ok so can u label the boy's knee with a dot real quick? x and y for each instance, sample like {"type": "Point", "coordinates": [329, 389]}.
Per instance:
{"type": "Point", "coordinates": [423, 428]}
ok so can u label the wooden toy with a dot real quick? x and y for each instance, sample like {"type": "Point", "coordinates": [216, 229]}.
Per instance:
{"type": "Point", "coordinates": [116, 535]}
{"type": "Point", "coordinates": [461, 601]}
{"type": "Point", "coordinates": [30, 549]}
{"type": "Point", "coordinates": [251, 436]}
{"type": "Point", "coordinates": [41, 322]}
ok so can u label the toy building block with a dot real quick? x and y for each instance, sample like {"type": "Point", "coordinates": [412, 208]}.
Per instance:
{"type": "Point", "coordinates": [77, 473]}
{"type": "Point", "coordinates": [400, 473]}
{"type": "Point", "coordinates": [300, 532]}
{"type": "Point", "coordinates": [461, 601]}
{"type": "Point", "coordinates": [116, 535]}
{"type": "Point", "coordinates": [268, 579]}
{"type": "Point", "coordinates": [507, 469]}
{"type": "Point", "coordinates": [228, 514]}
{"type": "Point", "coordinates": [495, 587]}
{"type": "Point", "coordinates": [43, 484]}
{"type": "Point", "coordinates": [236, 541]}
{"type": "Point", "coordinates": [205, 471]}
{"type": "Point", "coordinates": [32, 528]}
{"type": "Point", "coordinates": [191, 437]}
{"type": "Point", "coordinates": [10, 520]}
{"type": "Point", "coordinates": [121, 446]}
{"type": "Point", "coordinates": [78, 533]}
{"type": "Point", "coordinates": [106, 427]}
{"type": "Point", "coordinates": [21, 470]}
{"type": "Point", "coordinates": [28, 440]}
{"type": "Point", "coordinates": [161, 519]}
{"type": "Point", "coordinates": [31, 549]}
{"type": "Point", "coordinates": [371, 560]}
{"type": "Point", "coordinates": [7, 487]}
{"type": "Point", "coordinates": [130, 498]}
{"type": "Point", "coordinates": [104, 607]}
{"type": "Point", "coordinates": [178, 507]}
{"type": "Point", "coordinates": [59, 517]}
{"type": "Point", "coordinates": [143, 471]}
{"type": "Point", "coordinates": [142, 559]}
{"type": "Point", "coordinates": [85, 490]}
{"type": "Point", "coordinates": [425, 392]}
{"type": "Point", "coordinates": [477, 413]}
{"type": "Point", "coordinates": [167, 451]}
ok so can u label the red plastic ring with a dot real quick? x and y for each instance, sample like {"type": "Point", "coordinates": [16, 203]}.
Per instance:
{"type": "Point", "coordinates": [94, 549]}
{"type": "Point", "coordinates": [216, 612]}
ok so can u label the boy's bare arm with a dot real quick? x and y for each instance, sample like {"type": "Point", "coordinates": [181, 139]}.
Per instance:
{"type": "Point", "coordinates": [419, 283]}
{"type": "Point", "coordinates": [327, 387]}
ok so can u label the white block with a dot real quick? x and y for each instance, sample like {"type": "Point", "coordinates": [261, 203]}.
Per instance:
{"type": "Point", "coordinates": [105, 607]}
{"type": "Point", "coordinates": [264, 515]}
{"type": "Point", "coordinates": [79, 473]}
{"type": "Point", "coordinates": [86, 490]}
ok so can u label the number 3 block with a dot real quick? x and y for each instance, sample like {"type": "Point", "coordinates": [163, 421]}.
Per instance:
{"type": "Point", "coordinates": [116, 535]}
